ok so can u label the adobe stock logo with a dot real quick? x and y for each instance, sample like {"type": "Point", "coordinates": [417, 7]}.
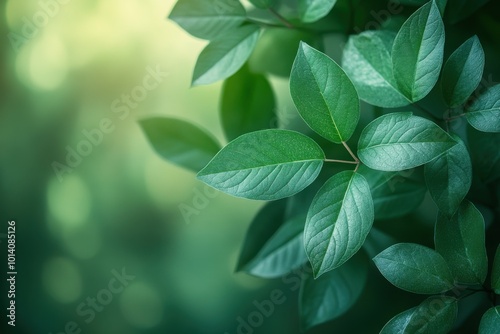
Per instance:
{"type": "Point", "coordinates": [32, 25]}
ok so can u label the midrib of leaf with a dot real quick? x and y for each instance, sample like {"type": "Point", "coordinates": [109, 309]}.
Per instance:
{"type": "Point", "coordinates": [418, 269]}
{"type": "Point", "coordinates": [418, 54]}
{"type": "Point", "coordinates": [323, 98]}
{"type": "Point", "coordinates": [333, 229]}
{"type": "Point", "coordinates": [271, 165]}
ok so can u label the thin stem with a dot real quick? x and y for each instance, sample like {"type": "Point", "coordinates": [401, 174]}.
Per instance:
{"type": "Point", "coordinates": [342, 161]}
{"type": "Point", "coordinates": [281, 18]}
{"type": "Point", "coordinates": [350, 152]}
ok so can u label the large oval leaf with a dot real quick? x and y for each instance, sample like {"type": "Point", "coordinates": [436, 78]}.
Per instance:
{"type": "Point", "coordinates": [338, 221]}
{"type": "Point", "coordinates": [225, 55]}
{"type": "Point", "coordinates": [418, 52]}
{"type": "Point", "coordinates": [180, 142]}
{"type": "Point", "coordinates": [323, 94]}
{"type": "Point", "coordinates": [247, 104]}
{"type": "Point", "coordinates": [484, 112]}
{"type": "Point", "coordinates": [367, 61]}
{"type": "Point", "coordinates": [415, 268]}
{"type": "Point", "coordinates": [490, 322]}
{"type": "Point", "coordinates": [332, 294]}
{"type": "Point", "coordinates": [401, 141]}
{"type": "Point", "coordinates": [460, 240]}
{"type": "Point", "coordinates": [449, 177]}
{"type": "Point", "coordinates": [208, 19]}
{"type": "Point", "coordinates": [463, 72]}
{"type": "Point", "coordinates": [313, 10]}
{"type": "Point", "coordinates": [435, 315]}
{"type": "Point", "coordinates": [265, 165]}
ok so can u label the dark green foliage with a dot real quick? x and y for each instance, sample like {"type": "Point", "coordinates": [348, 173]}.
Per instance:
{"type": "Point", "coordinates": [388, 159]}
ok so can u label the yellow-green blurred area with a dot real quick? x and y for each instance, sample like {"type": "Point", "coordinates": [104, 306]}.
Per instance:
{"type": "Point", "coordinates": [117, 210]}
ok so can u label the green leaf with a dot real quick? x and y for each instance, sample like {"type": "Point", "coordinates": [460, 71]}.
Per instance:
{"type": "Point", "coordinates": [463, 72]}
{"type": "Point", "coordinates": [435, 315]}
{"type": "Point", "coordinates": [273, 244]}
{"type": "Point", "coordinates": [394, 195]}
{"type": "Point", "coordinates": [495, 272]}
{"type": "Point", "coordinates": [313, 10]}
{"type": "Point", "coordinates": [460, 240]}
{"type": "Point", "coordinates": [418, 52]}
{"type": "Point", "coordinates": [265, 165]}
{"type": "Point", "coordinates": [247, 104]}
{"type": "Point", "coordinates": [180, 142]}
{"type": "Point", "coordinates": [262, 4]}
{"type": "Point", "coordinates": [449, 177]}
{"type": "Point", "coordinates": [399, 141]}
{"type": "Point", "coordinates": [225, 55]}
{"type": "Point", "coordinates": [338, 221]}
{"type": "Point", "coordinates": [367, 61]}
{"type": "Point", "coordinates": [485, 154]}
{"type": "Point", "coordinates": [276, 49]}
{"type": "Point", "coordinates": [490, 322]}
{"type": "Point", "coordinates": [398, 198]}
{"type": "Point", "coordinates": [415, 268]}
{"type": "Point", "coordinates": [332, 294]}
{"type": "Point", "coordinates": [208, 19]}
{"type": "Point", "coordinates": [323, 94]}
{"type": "Point", "coordinates": [484, 112]}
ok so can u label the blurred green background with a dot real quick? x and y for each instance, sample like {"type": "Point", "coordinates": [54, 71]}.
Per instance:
{"type": "Point", "coordinates": [118, 210]}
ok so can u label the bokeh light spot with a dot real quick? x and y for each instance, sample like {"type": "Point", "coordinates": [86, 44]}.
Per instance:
{"type": "Point", "coordinates": [69, 201]}
{"type": "Point", "coordinates": [141, 306]}
{"type": "Point", "coordinates": [62, 280]}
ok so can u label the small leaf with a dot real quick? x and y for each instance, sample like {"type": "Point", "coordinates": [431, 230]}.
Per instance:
{"type": "Point", "coordinates": [225, 55]}
{"type": "Point", "coordinates": [495, 272]}
{"type": "Point", "coordinates": [490, 322]}
{"type": "Point", "coordinates": [313, 10]}
{"type": "Point", "coordinates": [484, 113]}
{"type": "Point", "coordinates": [463, 72]}
{"type": "Point", "coordinates": [415, 268]}
{"type": "Point", "coordinates": [418, 52]}
{"type": "Point", "coordinates": [460, 240]}
{"type": "Point", "coordinates": [332, 294]}
{"type": "Point", "coordinates": [399, 141]}
{"type": "Point", "coordinates": [338, 221]}
{"type": "Point", "coordinates": [323, 94]}
{"type": "Point", "coordinates": [485, 154]}
{"type": "Point", "coordinates": [435, 315]}
{"type": "Point", "coordinates": [273, 244]}
{"type": "Point", "coordinates": [449, 177]}
{"type": "Point", "coordinates": [180, 142]}
{"type": "Point", "coordinates": [367, 61]}
{"type": "Point", "coordinates": [247, 104]}
{"type": "Point", "coordinates": [265, 165]}
{"type": "Point", "coordinates": [208, 19]}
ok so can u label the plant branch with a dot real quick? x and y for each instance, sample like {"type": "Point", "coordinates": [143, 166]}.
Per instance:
{"type": "Point", "coordinates": [281, 18]}
{"type": "Point", "coordinates": [350, 152]}
{"type": "Point", "coordinates": [454, 117]}
{"type": "Point", "coordinates": [342, 161]}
